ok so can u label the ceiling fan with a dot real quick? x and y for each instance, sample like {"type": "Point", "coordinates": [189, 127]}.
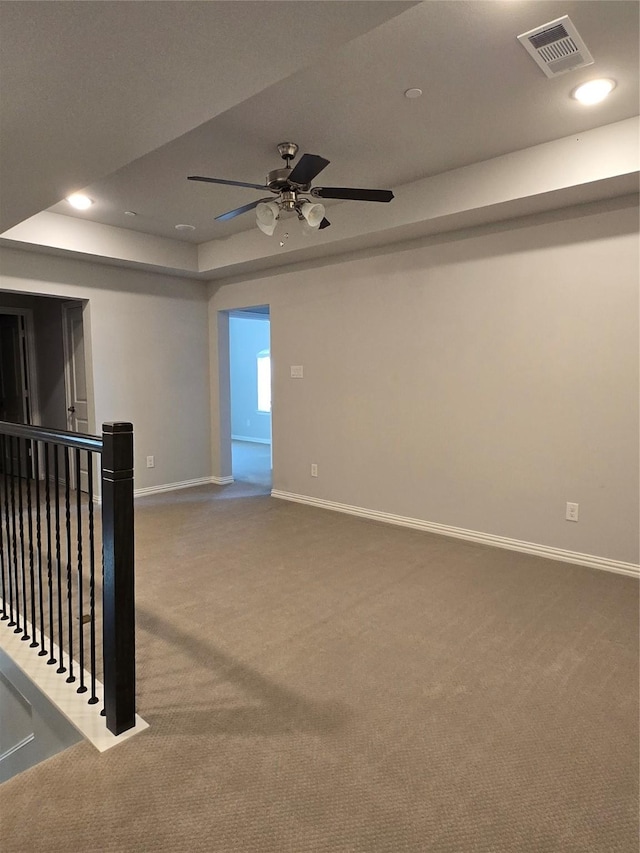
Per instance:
{"type": "Point", "coordinates": [292, 188]}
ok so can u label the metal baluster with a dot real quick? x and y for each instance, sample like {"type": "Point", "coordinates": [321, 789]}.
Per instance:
{"type": "Point", "coordinates": [67, 506]}
{"type": "Point", "coordinates": [4, 562]}
{"type": "Point", "coordinates": [15, 616]}
{"type": "Point", "coordinates": [23, 573]}
{"type": "Point", "coordinates": [7, 451]}
{"type": "Point", "coordinates": [47, 500]}
{"type": "Point", "coordinates": [82, 688]}
{"type": "Point", "coordinates": [92, 586]}
{"type": "Point", "coordinates": [36, 462]}
{"type": "Point", "coordinates": [56, 474]}
{"type": "Point", "coordinates": [5, 477]}
{"type": "Point", "coordinates": [32, 578]}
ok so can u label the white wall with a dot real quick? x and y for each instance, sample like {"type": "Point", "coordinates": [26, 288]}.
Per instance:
{"type": "Point", "coordinates": [147, 346]}
{"type": "Point", "coordinates": [478, 380]}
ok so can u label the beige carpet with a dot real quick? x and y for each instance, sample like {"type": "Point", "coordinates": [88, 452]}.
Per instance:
{"type": "Point", "coordinates": [316, 682]}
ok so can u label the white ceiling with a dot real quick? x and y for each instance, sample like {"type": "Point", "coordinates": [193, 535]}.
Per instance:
{"type": "Point", "coordinates": [125, 99]}
{"type": "Point", "coordinates": [87, 88]}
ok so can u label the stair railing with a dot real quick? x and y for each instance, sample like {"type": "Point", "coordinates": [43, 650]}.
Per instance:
{"type": "Point", "coordinates": [51, 573]}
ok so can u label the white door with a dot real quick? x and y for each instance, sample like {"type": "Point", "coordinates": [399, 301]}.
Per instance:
{"type": "Point", "coordinates": [76, 384]}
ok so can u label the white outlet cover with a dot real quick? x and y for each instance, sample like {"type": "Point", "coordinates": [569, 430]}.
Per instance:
{"type": "Point", "coordinates": [572, 512]}
{"type": "Point", "coordinates": [296, 371]}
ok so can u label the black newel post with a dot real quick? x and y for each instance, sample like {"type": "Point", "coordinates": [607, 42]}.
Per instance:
{"type": "Point", "coordinates": [118, 591]}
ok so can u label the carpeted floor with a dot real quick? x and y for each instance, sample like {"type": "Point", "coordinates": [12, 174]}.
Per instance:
{"type": "Point", "coordinates": [317, 683]}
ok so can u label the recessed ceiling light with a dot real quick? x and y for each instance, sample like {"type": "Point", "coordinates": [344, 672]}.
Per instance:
{"type": "Point", "coordinates": [413, 93]}
{"type": "Point", "coordinates": [130, 213]}
{"type": "Point", "coordinates": [185, 227]}
{"type": "Point", "coordinates": [79, 201]}
{"type": "Point", "coordinates": [594, 91]}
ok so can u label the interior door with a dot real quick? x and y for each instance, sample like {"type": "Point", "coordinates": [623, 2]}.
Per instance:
{"type": "Point", "coordinates": [76, 383]}
{"type": "Point", "coordinates": [14, 395]}
{"type": "Point", "coordinates": [13, 403]}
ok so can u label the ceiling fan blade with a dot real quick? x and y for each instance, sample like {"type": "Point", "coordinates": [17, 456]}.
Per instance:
{"type": "Point", "coordinates": [324, 224]}
{"type": "Point", "coordinates": [352, 193]}
{"type": "Point", "coordinates": [307, 167]}
{"type": "Point", "coordinates": [231, 214]}
{"type": "Point", "coordinates": [227, 183]}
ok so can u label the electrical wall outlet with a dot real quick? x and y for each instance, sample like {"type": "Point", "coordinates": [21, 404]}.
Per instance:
{"type": "Point", "coordinates": [572, 512]}
{"type": "Point", "coordinates": [151, 462]}
{"type": "Point", "coordinates": [314, 469]}
{"type": "Point", "coordinates": [297, 371]}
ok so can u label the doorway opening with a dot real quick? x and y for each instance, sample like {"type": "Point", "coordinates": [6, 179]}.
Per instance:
{"type": "Point", "coordinates": [250, 396]}
{"type": "Point", "coordinates": [44, 380]}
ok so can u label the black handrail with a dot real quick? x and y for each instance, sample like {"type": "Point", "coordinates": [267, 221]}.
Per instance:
{"type": "Point", "coordinates": [38, 572]}
{"type": "Point", "coordinates": [54, 436]}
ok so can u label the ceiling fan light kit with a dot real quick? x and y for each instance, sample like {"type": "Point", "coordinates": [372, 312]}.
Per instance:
{"type": "Point", "coordinates": [267, 213]}
{"type": "Point", "coordinates": [292, 186]}
{"type": "Point", "coordinates": [312, 213]}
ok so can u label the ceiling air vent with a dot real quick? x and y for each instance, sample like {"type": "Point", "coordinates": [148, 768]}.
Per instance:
{"type": "Point", "coordinates": [556, 47]}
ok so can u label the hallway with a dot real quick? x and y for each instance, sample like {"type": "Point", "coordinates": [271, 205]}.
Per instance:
{"type": "Point", "coordinates": [251, 463]}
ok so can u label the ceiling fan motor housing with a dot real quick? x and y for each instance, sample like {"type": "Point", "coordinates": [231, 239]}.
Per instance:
{"type": "Point", "coordinates": [279, 178]}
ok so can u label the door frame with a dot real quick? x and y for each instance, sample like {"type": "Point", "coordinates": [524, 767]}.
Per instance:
{"type": "Point", "coordinates": [67, 348]}
{"type": "Point", "coordinates": [224, 385]}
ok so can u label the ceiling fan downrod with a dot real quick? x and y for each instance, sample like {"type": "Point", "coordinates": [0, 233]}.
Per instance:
{"type": "Point", "coordinates": [278, 179]}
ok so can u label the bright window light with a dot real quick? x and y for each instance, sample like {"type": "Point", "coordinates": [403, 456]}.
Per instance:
{"type": "Point", "coordinates": [594, 91]}
{"type": "Point", "coordinates": [264, 381]}
{"type": "Point", "coordinates": [79, 201]}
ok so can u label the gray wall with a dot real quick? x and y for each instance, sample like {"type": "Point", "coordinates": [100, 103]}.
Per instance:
{"type": "Point", "coordinates": [477, 380]}
{"type": "Point", "coordinates": [247, 337]}
{"type": "Point", "coordinates": [146, 345]}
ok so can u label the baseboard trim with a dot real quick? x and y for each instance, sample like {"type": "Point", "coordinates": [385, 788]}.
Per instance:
{"type": "Point", "coordinates": [221, 481]}
{"type": "Point", "coordinates": [590, 560]}
{"type": "Point", "coordinates": [184, 484]}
